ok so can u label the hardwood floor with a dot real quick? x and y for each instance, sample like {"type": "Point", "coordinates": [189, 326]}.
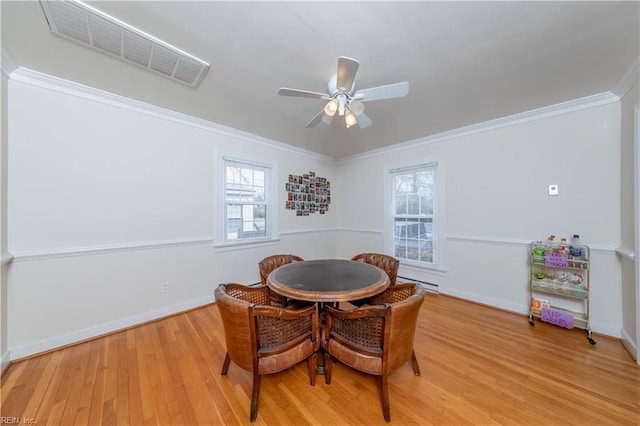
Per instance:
{"type": "Point", "coordinates": [479, 366]}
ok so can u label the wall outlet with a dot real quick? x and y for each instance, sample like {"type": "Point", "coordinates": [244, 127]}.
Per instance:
{"type": "Point", "coordinates": [164, 287]}
{"type": "Point", "coordinates": [554, 190]}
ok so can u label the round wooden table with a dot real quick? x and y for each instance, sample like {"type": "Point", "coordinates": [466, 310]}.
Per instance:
{"type": "Point", "coordinates": [328, 280]}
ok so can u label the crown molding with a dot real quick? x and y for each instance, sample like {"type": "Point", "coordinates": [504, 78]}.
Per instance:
{"type": "Point", "coordinates": [38, 79]}
{"type": "Point", "coordinates": [7, 64]}
{"type": "Point", "coordinates": [510, 120]}
{"type": "Point", "coordinates": [628, 79]}
{"type": "Point", "coordinates": [35, 78]}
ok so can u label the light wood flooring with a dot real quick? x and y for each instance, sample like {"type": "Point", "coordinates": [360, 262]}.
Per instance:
{"type": "Point", "coordinates": [480, 366]}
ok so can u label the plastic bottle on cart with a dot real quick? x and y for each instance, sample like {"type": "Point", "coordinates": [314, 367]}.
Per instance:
{"type": "Point", "coordinates": [577, 249]}
{"type": "Point", "coordinates": [550, 246]}
{"type": "Point", "coordinates": [538, 252]}
{"type": "Point", "coordinates": [564, 248]}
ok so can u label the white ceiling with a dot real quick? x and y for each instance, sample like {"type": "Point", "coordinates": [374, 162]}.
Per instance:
{"type": "Point", "coordinates": [466, 62]}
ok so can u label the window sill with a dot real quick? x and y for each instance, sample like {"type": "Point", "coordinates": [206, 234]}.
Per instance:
{"type": "Point", "coordinates": [242, 244]}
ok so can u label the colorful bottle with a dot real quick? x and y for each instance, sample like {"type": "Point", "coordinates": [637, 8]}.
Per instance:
{"type": "Point", "coordinates": [551, 245]}
{"type": "Point", "coordinates": [578, 250]}
{"type": "Point", "coordinates": [564, 249]}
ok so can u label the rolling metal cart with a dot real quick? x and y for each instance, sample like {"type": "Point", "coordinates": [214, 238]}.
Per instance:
{"type": "Point", "coordinates": [559, 285]}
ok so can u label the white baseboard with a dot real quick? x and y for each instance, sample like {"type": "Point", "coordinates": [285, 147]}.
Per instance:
{"type": "Point", "coordinates": [89, 333]}
{"type": "Point", "coordinates": [4, 362]}
{"type": "Point", "coordinates": [496, 303]}
{"type": "Point", "coordinates": [596, 327]}
{"type": "Point", "coordinates": [630, 346]}
{"type": "Point", "coordinates": [606, 329]}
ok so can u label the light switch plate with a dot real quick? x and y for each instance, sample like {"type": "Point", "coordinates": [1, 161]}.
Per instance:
{"type": "Point", "coordinates": [553, 190]}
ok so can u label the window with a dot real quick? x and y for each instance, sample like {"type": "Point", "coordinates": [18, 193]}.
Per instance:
{"type": "Point", "coordinates": [413, 213]}
{"type": "Point", "coordinates": [248, 213]}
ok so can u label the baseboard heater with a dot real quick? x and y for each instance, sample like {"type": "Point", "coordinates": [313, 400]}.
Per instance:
{"type": "Point", "coordinates": [430, 287]}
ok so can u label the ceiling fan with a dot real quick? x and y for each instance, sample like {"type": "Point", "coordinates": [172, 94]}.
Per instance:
{"type": "Point", "coordinates": [342, 98]}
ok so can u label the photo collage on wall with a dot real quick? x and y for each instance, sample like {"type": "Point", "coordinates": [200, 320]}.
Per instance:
{"type": "Point", "coordinates": [308, 194]}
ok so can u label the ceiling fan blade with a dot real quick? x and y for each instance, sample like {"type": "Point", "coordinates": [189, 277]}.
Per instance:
{"type": "Point", "coordinates": [284, 91]}
{"type": "Point", "coordinates": [315, 120]}
{"type": "Point", "coordinates": [364, 121]}
{"type": "Point", "coordinates": [327, 119]}
{"type": "Point", "coordinates": [347, 69]}
{"type": "Point", "coordinates": [396, 90]}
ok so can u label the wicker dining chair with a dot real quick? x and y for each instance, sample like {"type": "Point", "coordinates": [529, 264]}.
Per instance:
{"type": "Point", "coordinates": [265, 339]}
{"type": "Point", "coordinates": [387, 263]}
{"type": "Point", "coordinates": [375, 339]}
{"type": "Point", "coordinates": [267, 265]}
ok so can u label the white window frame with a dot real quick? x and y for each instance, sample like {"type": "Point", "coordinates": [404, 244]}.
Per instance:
{"type": "Point", "coordinates": [220, 210]}
{"type": "Point", "coordinates": [439, 254]}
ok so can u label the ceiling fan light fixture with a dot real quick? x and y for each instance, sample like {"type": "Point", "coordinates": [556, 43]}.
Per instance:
{"type": "Point", "coordinates": [331, 107]}
{"type": "Point", "coordinates": [350, 119]}
{"type": "Point", "coordinates": [343, 98]}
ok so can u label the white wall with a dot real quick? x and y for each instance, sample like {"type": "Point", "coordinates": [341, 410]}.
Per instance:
{"type": "Point", "coordinates": [105, 204]}
{"type": "Point", "coordinates": [496, 202]}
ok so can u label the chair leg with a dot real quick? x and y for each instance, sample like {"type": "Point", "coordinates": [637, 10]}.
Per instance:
{"type": "Point", "coordinates": [327, 368]}
{"type": "Point", "coordinates": [225, 365]}
{"type": "Point", "coordinates": [385, 397]}
{"type": "Point", "coordinates": [312, 369]}
{"type": "Point", "coordinates": [254, 396]}
{"type": "Point", "coordinates": [414, 364]}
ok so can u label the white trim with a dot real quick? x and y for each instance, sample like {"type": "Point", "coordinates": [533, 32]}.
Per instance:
{"type": "Point", "coordinates": [38, 79]}
{"type": "Point", "coordinates": [107, 248]}
{"type": "Point", "coordinates": [437, 165]}
{"type": "Point", "coordinates": [629, 345]}
{"type": "Point", "coordinates": [606, 329]}
{"type": "Point", "coordinates": [636, 221]}
{"type": "Point", "coordinates": [366, 231]}
{"type": "Point", "coordinates": [152, 245]}
{"type": "Point", "coordinates": [35, 78]}
{"type": "Point", "coordinates": [4, 362]}
{"type": "Point", "coordinates": [310, 231]}
{"type": "Point", "coordinates": [626, 252]}
{"type": "Point", "coordinates": [628, 79]}
{"type": "Point", "coordinates": [93, 332]}
{"type": "Point", "coordinates": [504, 241]}
{"type": "Point", "coordinates": [489, 301]}
{"type": "Point", "coordinates": [597, 327]}
{"type": "Point", "coordinates": [488, 240]}
{"type": "Point", "coordinates": [7, 64]}
{"type": "Point", "coordinates": [510, 120]}
{"type": "Point", "coordinates": [6, 258]}
{"type": "Point", "coordinates": [245, 244]}
{"type": "Point", "coordinates": [271, 201]}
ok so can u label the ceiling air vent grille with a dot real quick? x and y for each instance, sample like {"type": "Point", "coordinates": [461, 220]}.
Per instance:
{"type": "Point", "coordinates": [77, 21]}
